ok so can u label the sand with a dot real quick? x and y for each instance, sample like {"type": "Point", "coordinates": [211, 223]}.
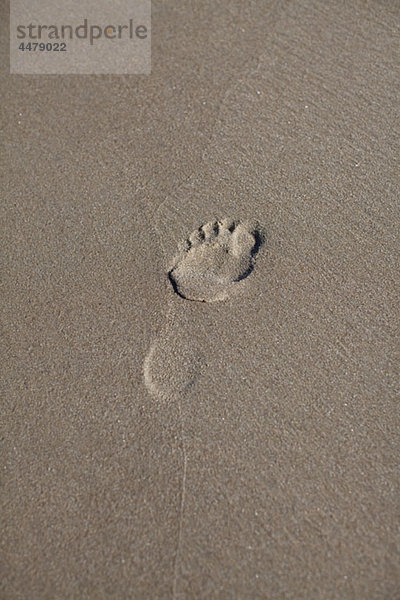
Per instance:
{"type": "Point", "coordinates": [158, 446]}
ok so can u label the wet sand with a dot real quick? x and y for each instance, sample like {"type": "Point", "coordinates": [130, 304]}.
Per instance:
{"type": "Point", "coordinates": [160, 447]}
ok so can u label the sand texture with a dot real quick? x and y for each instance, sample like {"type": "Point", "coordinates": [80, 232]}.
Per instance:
{"type": "Point", "coordinates": [200, 312]}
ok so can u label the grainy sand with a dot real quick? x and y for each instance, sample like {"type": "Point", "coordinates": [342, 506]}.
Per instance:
{"type": "Point", "coordinates": [155, 447]}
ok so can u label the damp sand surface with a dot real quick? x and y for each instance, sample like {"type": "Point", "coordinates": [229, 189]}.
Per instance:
{"type": "Point", "coordinates": [200, 313]}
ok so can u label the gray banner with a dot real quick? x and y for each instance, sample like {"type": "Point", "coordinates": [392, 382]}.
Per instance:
{"type": "Point", "coordinates": [80, 36]}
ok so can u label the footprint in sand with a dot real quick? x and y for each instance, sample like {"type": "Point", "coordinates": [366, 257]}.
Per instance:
{"type": "Point", "coordinates": [216, 258]}
{"type": "Point", "coordinates": [212, 265]}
